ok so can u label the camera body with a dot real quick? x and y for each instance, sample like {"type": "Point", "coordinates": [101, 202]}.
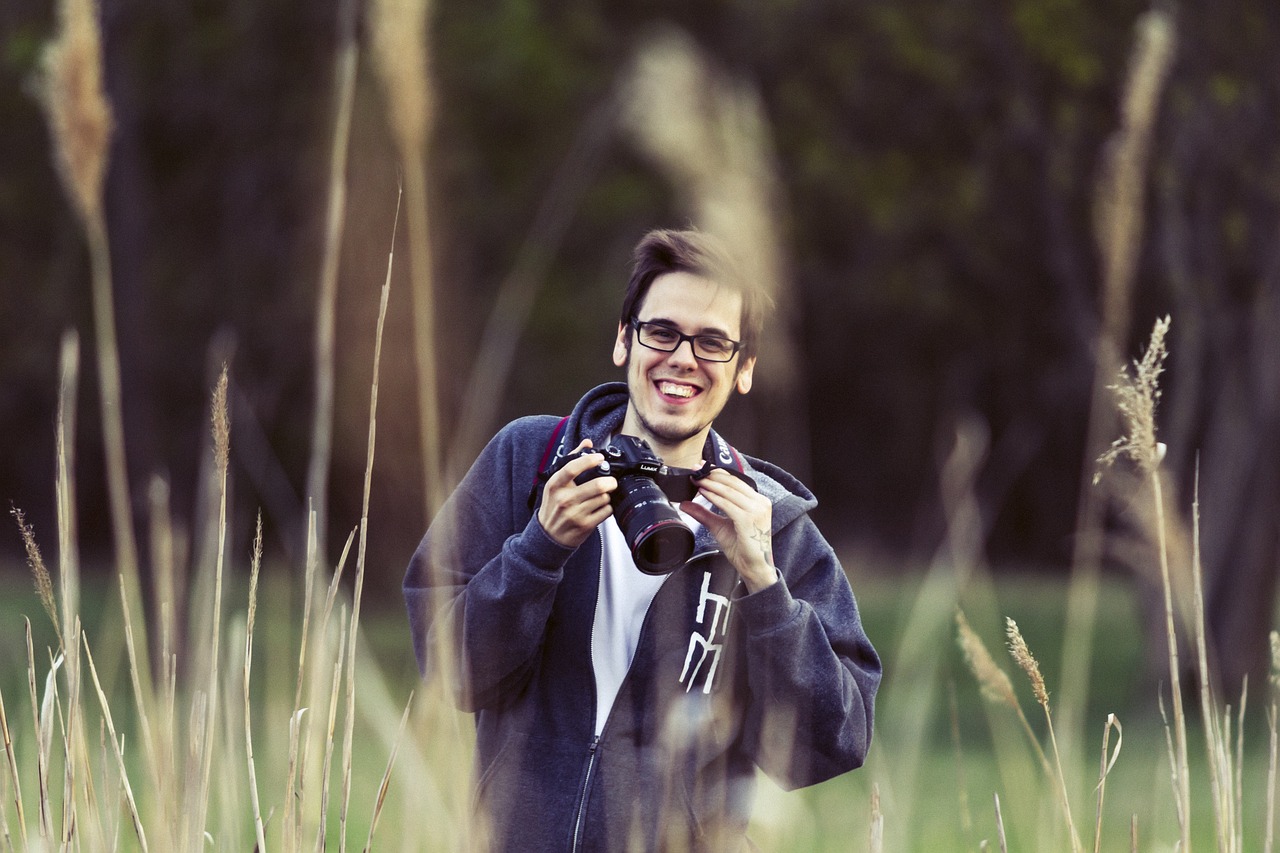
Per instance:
{"type": "Point", "coordinates": [659, 540]}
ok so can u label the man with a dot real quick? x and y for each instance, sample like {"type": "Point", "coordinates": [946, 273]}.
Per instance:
{"type": "Point", "coordinates": [620, 710]}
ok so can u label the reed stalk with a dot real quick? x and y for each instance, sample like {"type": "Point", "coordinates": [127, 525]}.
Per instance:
{"type": "Point", "coordinates": [401, 58]}
{"type": "Point", "coordinates": [353, 634]}
{"type": "Point", "coordinates": [1118, 226]}
{"type": "Point", "coordinates": [326, 310]}
{"type": "Point", "coordinates": [335, 689]}
{"type": "Point", "coordinates": [76, 765]}
{"type": "Point", "coordinates": [385, 784]}
{"type": "Point", "coordinates": [45, 823]}
{"type": "Point", "coordinates": [1208, 701]}
{"type": "Point", "coordinates": [1107, 763]}
{"type": "Point", "coordinates": [6, 836]}
{"type": "Point", "coordinates": [293, 833]}
{"type": "Point", "coordinates": [953, 568]}
{"type": "Point", "coordinates": [1175, 668]}
{"type": "Point", "coordinates": [80, 122]}
{"type": "Point", "coordinates": [1237, 796]}
{"type": "Point", "coordinates": [1137, 395]}
{"type": "Point", "coordinates": [14, 777]}
{"type": "Point", "coordinates": [144, 721]}
{"type": "Point", "coordinates": [962, 787]}
{"type": "Point", "coordinates": [1029, 665]}
{"type": "Point", "coordinates": [875, 843]}
{"type": "Point", "coordinates": [221, 426]}
{"type": "Point", "coordinates": [1004, 844]}
{"type": "Point", "coordinates": [1270, 825]}
{"type": "Point", "coordinates": [255, 566]}
{"type": "Point", "coordinates": [64, 492]}
{"type": "Point", "coordinates": [1273, 752]}
{"type": "Point", "coordinates": [499, 342]}
{"type": "Point", "coordinates": [117, 750]}
{"type": "Point", "coordinates": [319, 693]}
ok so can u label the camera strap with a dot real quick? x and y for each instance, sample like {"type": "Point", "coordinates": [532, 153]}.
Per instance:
{"type": "Point", "coordinates": [681, 484]}
{"type": "Point", "coordinates": [548, 454]}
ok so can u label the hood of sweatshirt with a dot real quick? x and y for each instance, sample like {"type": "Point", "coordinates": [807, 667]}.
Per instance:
{"type": "Point", "coordinates": [599, 416]}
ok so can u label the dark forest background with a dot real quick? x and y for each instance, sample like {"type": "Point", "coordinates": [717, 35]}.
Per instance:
{"type": "Point", "coordinates": [937, 165]}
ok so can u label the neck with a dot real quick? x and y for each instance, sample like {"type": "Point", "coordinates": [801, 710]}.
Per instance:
{"type": "Point", "coordinates": [686, 453]}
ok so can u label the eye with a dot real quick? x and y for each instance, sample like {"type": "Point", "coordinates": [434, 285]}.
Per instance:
{"type": "Point", "coordinates": [712, 345]}
{"type": "Point", "coordinates": [661, 335]}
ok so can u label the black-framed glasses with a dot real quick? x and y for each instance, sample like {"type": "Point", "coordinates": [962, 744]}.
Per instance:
{"type": "Point", "coordinates": [663, 338]}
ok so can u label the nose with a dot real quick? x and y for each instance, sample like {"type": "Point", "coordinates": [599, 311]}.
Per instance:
{"type": "Point", "coordinates": [682, 356]}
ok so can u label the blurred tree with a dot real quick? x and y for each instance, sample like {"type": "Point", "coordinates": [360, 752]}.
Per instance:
{"type": "Point", "coordinates": [937, 162]}
{"type": "Point", "coordinates": [1214, 254]}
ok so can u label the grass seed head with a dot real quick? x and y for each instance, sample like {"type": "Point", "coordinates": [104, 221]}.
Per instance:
{"type": "Point", "coordinates": [401, 58]}
{"type": "Point", "coordinates": [992, 680]}
{"type": "Point", "coordinates": [44, 583]}
{"type": "Point", "coordinates": [1023, 657]}
{"type": "Point", "coordinates": [1137, 395]}
{"type": "Point", "coordinates": [221, 422]}
{"type": "Point", "coordinates": [78, 111]}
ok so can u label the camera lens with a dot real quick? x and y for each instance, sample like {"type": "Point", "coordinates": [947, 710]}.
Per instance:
{"type": "Point", "coordinates": [659, 540]}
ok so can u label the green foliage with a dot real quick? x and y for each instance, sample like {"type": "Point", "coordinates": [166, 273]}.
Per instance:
{"type": "Point", "coordinates": [936, 159]}
{"type": "Point", "coordinates": [1059, 34]}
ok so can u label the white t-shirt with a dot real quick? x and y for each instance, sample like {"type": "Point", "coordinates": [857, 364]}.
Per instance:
{"type": "Point", "coordinates": [624, 599]}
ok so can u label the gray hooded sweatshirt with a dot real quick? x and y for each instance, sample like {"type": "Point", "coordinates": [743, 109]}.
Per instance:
{"type": "Point", "coordinates": [722, 681]}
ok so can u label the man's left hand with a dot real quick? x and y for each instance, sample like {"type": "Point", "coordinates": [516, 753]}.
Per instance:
{"type": "Point", "coordinates": [744, 532]}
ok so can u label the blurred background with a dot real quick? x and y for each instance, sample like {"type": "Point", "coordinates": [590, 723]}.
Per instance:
{"type": "Point", "coordinates": [927, 171]}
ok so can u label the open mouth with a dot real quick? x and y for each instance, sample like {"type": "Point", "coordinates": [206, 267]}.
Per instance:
{"type": "Point", "coordinates": [677, 390]}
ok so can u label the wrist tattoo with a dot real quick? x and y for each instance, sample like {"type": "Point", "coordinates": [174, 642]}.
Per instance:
{"type": "Point", "coordinates": [765, 542]}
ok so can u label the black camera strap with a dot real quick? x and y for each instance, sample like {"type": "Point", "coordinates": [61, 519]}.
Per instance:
{"type": "Point", "coordinates": [681, 484]}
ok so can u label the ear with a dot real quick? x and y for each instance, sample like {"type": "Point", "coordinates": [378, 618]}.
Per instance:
{"type": "Point", "coordinates": [621, 347]}
{"type": "Point", "coordinates": [743, 380]}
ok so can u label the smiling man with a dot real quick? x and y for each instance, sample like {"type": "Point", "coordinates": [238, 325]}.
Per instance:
{"type": "Point", "coordinates": [624, 703]}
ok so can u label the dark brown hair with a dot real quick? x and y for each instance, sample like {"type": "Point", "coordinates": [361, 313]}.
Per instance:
{"type": "Point", "coordinates": [689, 250]}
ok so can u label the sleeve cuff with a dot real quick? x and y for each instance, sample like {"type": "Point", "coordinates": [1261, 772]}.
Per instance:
{"type": "Point", "coordinates": [769, 609]}
{"type": "Point", "coordinates": [537, 547]}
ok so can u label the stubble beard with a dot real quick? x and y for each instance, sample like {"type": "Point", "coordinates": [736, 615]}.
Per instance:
{"type": "Point", "coordinates": [671, 437]}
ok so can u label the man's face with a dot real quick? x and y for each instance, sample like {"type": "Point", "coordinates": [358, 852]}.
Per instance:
{"type": "Point", "coordinates": [673, 396]}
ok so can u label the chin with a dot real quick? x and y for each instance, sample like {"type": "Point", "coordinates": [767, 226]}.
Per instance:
{"type": "Point", "coordinates": [670, 430]}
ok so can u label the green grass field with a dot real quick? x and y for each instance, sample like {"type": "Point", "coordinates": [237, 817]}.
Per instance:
{"type": "Point", "coordinates": [940, 758]}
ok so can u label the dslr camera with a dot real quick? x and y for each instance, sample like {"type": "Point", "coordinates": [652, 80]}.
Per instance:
{"type": "Point", "coordinates": [659, 540]}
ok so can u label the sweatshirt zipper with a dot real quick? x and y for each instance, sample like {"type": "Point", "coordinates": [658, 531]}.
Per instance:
{"type": "Point", "coordinates": [582, 798]}
{"type": "Point", "coordinates": [580, 817]}
{"type": "Point", "coordinates": [595, 738]}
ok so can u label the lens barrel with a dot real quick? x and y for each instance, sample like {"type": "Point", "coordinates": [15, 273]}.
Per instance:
{"type": "Point", "coordinates": [659, 540]}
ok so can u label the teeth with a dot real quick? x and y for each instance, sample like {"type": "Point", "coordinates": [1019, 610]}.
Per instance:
{"type": "Point", "coordinates": [676, 390]}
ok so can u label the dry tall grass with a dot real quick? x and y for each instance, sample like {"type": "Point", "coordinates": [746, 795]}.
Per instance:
{"type": "Point", "coordinates": [1137, 393]}
{"type": "Point", "coordinates": [197, 777]}
{"type": "Point", "coordinates": [1118, 218]}
{"type": "Point", "coordinates": [267, 741]}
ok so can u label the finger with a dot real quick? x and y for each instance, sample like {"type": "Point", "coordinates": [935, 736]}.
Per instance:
{"type": "Point", "coordinates": [732, 494]}
{"type": "Point", "coordinates": [574, 467]}
{"type": "Point", "coordinates": [699, 513]}
{"type": "Point", "coordinates": [715, 524]}
{"type": "Point", "coordinates": [723, 480]}
{"type": "Point", "coordinates": [598, 488]}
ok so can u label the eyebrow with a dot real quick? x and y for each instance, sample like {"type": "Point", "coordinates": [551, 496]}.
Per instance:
{"type": "Point", "coordinates": [713, 331]}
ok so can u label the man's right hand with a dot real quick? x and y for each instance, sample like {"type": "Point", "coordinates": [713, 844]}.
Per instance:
{"type": "Point", "coordinates": [570, 511]}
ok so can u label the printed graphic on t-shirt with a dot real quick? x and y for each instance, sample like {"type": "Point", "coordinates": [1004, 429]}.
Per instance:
{"type": "Point", "coordinates": [707, 647]}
